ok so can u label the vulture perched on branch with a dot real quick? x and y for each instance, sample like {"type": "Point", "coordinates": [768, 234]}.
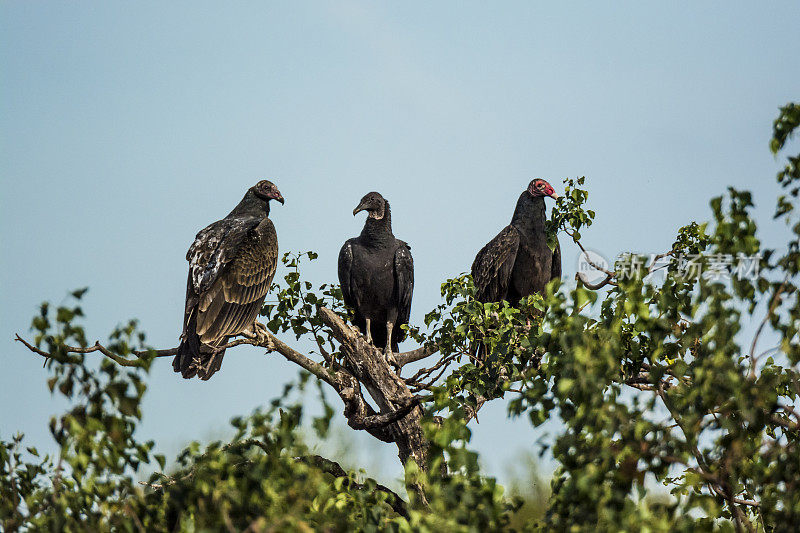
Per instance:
{"type": "Point", "coordinates": [518, 262]}
{"type": "Point", "coordinates": [376, 273]}
{"type": "Point", "coordinates": [231, 266]}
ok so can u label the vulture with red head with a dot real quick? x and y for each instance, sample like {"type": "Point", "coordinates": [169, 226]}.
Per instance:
{"type": "Point", "coordinates": [231, 266]}
{"type": "Point", "coordinates": [518, 262]}
{"type": "Point", "coordinates": [376, 273]}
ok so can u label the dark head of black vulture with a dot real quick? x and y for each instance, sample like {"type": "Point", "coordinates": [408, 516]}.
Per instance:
{"type": "Point", "coordinates": [374, 204]}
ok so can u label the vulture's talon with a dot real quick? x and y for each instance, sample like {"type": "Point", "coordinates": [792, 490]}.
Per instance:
{"type": "Point", "coordinates": [269, 343]}
{"type": "Point", "coordinates": [260, 333]}
{"type": "Point", "coordinates": [390, 358]}
{"type": "Point", "coordinates": [256, 332]}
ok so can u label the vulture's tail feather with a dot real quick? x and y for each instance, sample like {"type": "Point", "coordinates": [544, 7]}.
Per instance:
{"type": "Point", "coordinates": [195, 358]}
{"type": "Point", "coordinates": [188, 355]}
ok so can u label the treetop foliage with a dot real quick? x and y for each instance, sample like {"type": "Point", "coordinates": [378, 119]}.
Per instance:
{"type": "Point", "coordinates": [677, 389]}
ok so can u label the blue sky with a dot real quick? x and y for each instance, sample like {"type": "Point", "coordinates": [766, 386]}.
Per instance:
{"type": "Point", "coordinates": [126, 128]}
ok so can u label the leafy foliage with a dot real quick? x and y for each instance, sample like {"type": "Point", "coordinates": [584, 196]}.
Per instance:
{"type": "Point", "coordinates": [673, 414]}
{"type": "Point", "coordinates": [297, 303]}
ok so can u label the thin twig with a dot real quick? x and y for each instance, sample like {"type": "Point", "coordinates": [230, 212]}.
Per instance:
{"type": "Point", "coordinates": [589, 259]}
{"type": "Point", "coordinates": [773, 304]}
{"type": "Point", "coordinates": [427, 386]}
{"type": "Point", "coordinates": [608, 280]}
{"type": "Point", "coordinates": [121, 360]}
{"type": "Point", "coordinates": [652, 268]}
{"type": "Point", "coordinates": [421, 373]}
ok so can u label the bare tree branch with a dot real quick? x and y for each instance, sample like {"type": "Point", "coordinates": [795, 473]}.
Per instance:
{"type": "Point", "coordinates": [420, 353]}
{"type": "Point", "coordinates": [274, 343]}
{"type": "Point", "coordinates": [443, 364]}
{"type": "Point", "coordinates": [384, 419]}
{"type": "Point", "coordinates": [369, 367]}
{"type": "Point", "coordinates": [97, 347]}
{"type": "Point", "coordinates": [580, 276]}
{"type": "Point", "coordinates": [652, 268]}
{"type": "Point", "coordinates": [331, 467]}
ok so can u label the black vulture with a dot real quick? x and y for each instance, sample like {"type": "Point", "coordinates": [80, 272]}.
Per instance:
{"type": "Point", "coordinates": [518, 262]}
{"type": "Point", "coordinates": [231, 266]}
{"type": "Point", "coordinates": [376, 272]}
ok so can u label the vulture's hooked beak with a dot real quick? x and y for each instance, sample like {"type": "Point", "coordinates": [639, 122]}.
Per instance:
{"type": "Point", "coordinates": [554, 196]}
{"type": "Point", "coordinates": [278, 198]}
{"type": "Point", "coordinates": [360, 207]}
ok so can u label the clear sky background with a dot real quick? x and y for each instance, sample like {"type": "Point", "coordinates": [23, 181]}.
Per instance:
{"type": "Point", "coordinates": [127, 127]}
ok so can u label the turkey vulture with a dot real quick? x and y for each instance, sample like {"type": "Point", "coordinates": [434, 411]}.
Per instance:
{"type": "Point", "coordinates": [231, 266]}
{"type": "Point", "coordinates": [376, 273]}
{"type": "Point", "coordinates": [518, 262]}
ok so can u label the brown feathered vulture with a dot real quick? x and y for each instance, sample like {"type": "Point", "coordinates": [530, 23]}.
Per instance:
{"type": "Point", "coordinates": [518, 262]}
{"type": "Point", "coordinates": [376, 273]}
{"type": "Point", "coordinates": [231, 266]}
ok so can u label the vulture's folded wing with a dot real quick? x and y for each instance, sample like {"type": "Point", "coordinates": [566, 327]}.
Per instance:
{"type": "Point", "coordinates": [245, 266]}
{"type": "Point", "coordinates": [345, 266]}
{"type": "Point", "coordinates": [214, 247]}
{"type": "Point", "coordinates": [404, 283]}
{"type": "Point", "coordinates": [491, 270]}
